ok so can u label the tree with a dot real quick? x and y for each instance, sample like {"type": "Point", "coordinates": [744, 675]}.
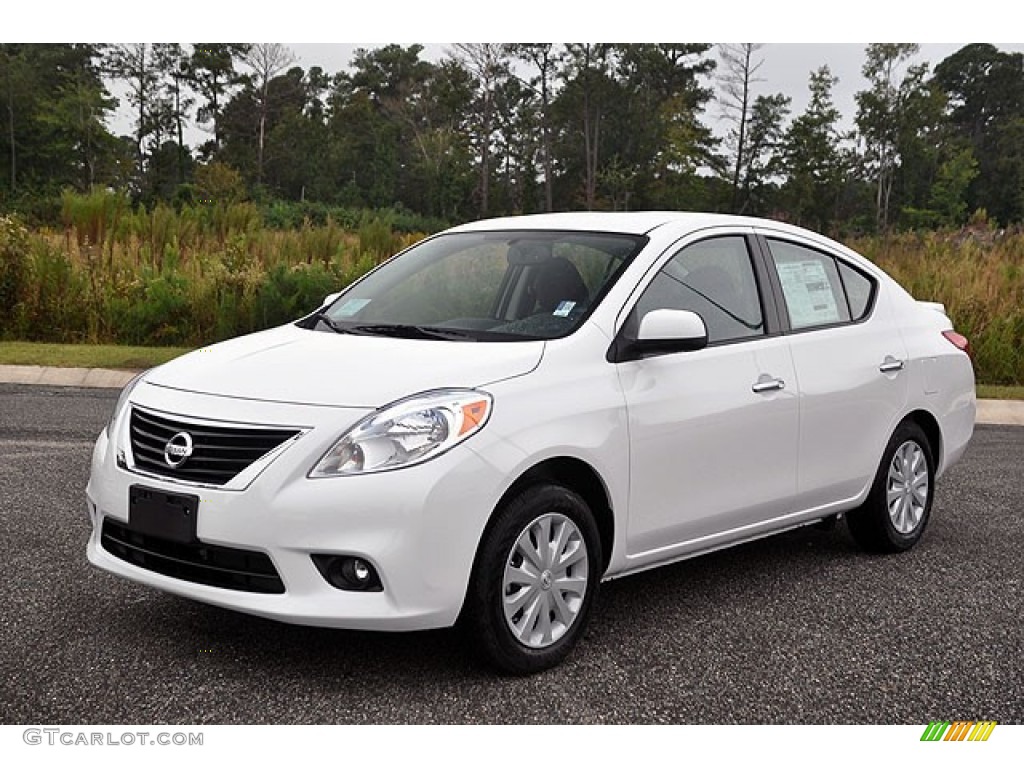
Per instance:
{"type": "Point", "coordinates": [626, 161]}
{"type": "Point", "coordinates": [884, 115]}
{"type": "Point", "coordinates": [737, 78]}
{"type": "Point", "coordinates": [15, 77]}
{"type": "Point", "coordinates": [297, 135]}
{"type": "Point", "coordinates": [488, 63]}
{"type": "Point", "coordinates": [219, 184]}
{"type": "Point", "coordinates": [135, 64]}
{"type": "Point", "coordinates": [763, 160]}
{"type": "Point", "coordinates": [212, 74]}
{"type": "Point", "coordinates": [949, 193]}
{"type": "Point", "coordinates": [53, 106]}
{"type": "Point", "coordinates": [297, 158]}
{"type": "Point", "coordinates": [366, 141]}
{"type": "Point", "coordinates": [814, 158]}
{"type": "Point", "coordinates": [396, 122]}
{"type": "Point", "coordinates": [543, 58]}
{"type": "Point", "coordinates": [400, 130]}
{"type": "Point", "coordinates": [665, 152]}
{"type": "Point", "coordinates": [174, 66]}
{"type": "Point", "coordinates": [267, 61]}
{"type": "Point", "coordinates": [440, 175]}
{"type": "Point", "coordinates": [587, 74]}
{"type": "Point", "coordinates": [984, 88]}
{"type": "Point", "coordinates": [74, 114]}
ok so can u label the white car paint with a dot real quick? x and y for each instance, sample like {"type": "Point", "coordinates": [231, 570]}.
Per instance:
{"type": "Point", "coordinates": [690, 458]}
{"type": "Point", "coordinates": [288, 364]}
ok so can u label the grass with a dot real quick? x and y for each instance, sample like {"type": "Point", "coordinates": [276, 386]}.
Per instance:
{"type": "Point", "coordinates": [994, 392]}
{"type": "Point", "coordinates": [979, 276]}
{"type": "Point", "coordinates": [86, 355]}
{"type": "Point", "coordinates": [161, 277]}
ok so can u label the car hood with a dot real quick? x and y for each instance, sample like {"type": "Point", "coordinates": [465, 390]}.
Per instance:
{"type": "Point", "coordinates": [295, 365]}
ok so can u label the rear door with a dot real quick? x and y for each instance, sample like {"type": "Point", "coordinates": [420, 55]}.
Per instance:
{"type": "Point", "coordinates": [849, 359]}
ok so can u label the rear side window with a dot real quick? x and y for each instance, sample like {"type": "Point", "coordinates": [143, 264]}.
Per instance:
{"type": "Point", "coordinates": [715, 279]}
{"type": "Point", "coordinates": [859, 290]}
{"type": "Point", "coordinates": [811, 286]}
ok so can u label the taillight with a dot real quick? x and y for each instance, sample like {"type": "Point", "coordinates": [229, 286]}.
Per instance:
{"type": "Point", "coordinates": [959, 341]}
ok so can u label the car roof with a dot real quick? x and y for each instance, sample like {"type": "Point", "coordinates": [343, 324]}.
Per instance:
{"type": "Point", "coordinates": [631, 222]}
{"type": "Point", "coordinates": [644, 222]}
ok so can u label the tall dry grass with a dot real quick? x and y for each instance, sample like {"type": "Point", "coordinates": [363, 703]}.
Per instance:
{"type": "Point", "coordinates": [979, 276]}
{"type": "Point", "coordinates": [114, 274]}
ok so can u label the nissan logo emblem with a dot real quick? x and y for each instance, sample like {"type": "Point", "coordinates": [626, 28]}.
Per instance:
{"type": "Point", "coordinates": [178, 449]}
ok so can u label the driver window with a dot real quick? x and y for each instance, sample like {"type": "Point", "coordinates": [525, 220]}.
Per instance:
{"type": "Point", "coordinates": [715, 279]}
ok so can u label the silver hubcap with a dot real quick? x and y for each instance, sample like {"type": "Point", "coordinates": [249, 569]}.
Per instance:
{"type": "Point", "coordinates": [545, 580]}
{"type": "Point", "coordinates": [907, 490]}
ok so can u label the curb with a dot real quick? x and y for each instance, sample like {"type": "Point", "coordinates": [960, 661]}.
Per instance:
{"type": "Point", "coordinates": [64, 377]}
{"type": "Point", "coordinates": [1002, 412]}
{"type": "Point", "coordinates": [1009, 412]}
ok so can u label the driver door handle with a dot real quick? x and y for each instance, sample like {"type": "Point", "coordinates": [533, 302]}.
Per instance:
{"type": "Point", "coordinates": [767, 384]}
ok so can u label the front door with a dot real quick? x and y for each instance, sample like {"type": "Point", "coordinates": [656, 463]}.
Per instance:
{"type": "Point", "coordinates": [713, 432]}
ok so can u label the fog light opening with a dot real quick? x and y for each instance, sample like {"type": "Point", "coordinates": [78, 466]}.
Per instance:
{"type": "Point", "coordinates": [348, 573]}
{"type": "Point", "coordinates": [360, 571]}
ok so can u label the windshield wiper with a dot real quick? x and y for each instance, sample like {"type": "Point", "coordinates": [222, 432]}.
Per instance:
{"type": "Point", "coordinates": [413, 332]}
{"type": "Point", "coordinates": [326, 320]}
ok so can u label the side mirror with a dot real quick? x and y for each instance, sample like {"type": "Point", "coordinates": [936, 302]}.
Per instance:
{"type": "Point", "coordinates": [662, 332]}
{"type": "Point", "coordinates": [677, 329]}
{"type": "Point", "coordinates": [330, 299]}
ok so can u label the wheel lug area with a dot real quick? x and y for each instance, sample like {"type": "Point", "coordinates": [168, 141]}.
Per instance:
{"type": "Point", "coordinates": [546, 580]}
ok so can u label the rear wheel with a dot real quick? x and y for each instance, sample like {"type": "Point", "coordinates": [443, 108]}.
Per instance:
{"type": "Point", "coordinates": [895, 514]}
{"type": "Point", "coordinates": [535, 579]}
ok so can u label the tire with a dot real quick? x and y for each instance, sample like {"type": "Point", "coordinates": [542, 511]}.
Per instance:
{"type": "Point", "coordinates": [527, 606]}
{"type": "Point", "coordinates": [896, 512]}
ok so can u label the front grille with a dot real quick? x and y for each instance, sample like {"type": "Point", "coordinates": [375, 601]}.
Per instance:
{"type": "Point", "coordinates": [218, 453]}
{"type": "Point", "coordinates": [209, 564]}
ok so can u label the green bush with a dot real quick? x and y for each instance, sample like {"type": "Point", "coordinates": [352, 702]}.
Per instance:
{"type": "Point", "coordinates": [14, 272]}
{"type": "Point", "coordinates": [57, 303]}
{"type": "Point", "coordinates": [284, 214]}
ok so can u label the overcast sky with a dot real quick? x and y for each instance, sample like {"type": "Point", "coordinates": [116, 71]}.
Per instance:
{"type": "Point", "coordinates": [797, 26]}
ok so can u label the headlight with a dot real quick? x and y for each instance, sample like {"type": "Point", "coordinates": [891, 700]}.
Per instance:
{"type": "Point", "coordinates": [408, 432]}
{"type": "Point", "coordinates": [121, 401]}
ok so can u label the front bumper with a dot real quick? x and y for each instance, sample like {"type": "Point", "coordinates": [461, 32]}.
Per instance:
{"type": "Point", "coordinates": [419, 526]}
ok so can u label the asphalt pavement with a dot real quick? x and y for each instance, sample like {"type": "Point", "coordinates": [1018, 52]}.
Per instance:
{"type": "Point", "coordinates": [799, 628]}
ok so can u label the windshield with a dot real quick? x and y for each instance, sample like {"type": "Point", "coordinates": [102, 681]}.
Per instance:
{"type": "Point", "coordinates": [488, 286]}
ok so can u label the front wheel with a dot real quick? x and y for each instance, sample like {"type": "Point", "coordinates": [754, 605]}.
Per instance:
{"type": "Point", "coordinates": [895, 514]}
{"type": "Point", "coordinates": [535, 579]}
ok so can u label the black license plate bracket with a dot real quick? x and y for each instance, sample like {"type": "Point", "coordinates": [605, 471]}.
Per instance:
{"type": "Point", "coordinates": [165, 515]}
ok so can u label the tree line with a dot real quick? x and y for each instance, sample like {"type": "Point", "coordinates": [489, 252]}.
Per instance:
{"type": "Point", "coordinates": [493, 129]}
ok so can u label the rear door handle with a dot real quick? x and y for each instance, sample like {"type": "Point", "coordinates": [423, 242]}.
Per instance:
{"type": "Point", "coordinates": [767, 384]}
{"type": "Point", "coordinates": [891, 365]}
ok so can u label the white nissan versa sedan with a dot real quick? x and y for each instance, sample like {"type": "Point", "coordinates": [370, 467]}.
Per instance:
{"type": "Point", "coordinates": [505, 414]}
